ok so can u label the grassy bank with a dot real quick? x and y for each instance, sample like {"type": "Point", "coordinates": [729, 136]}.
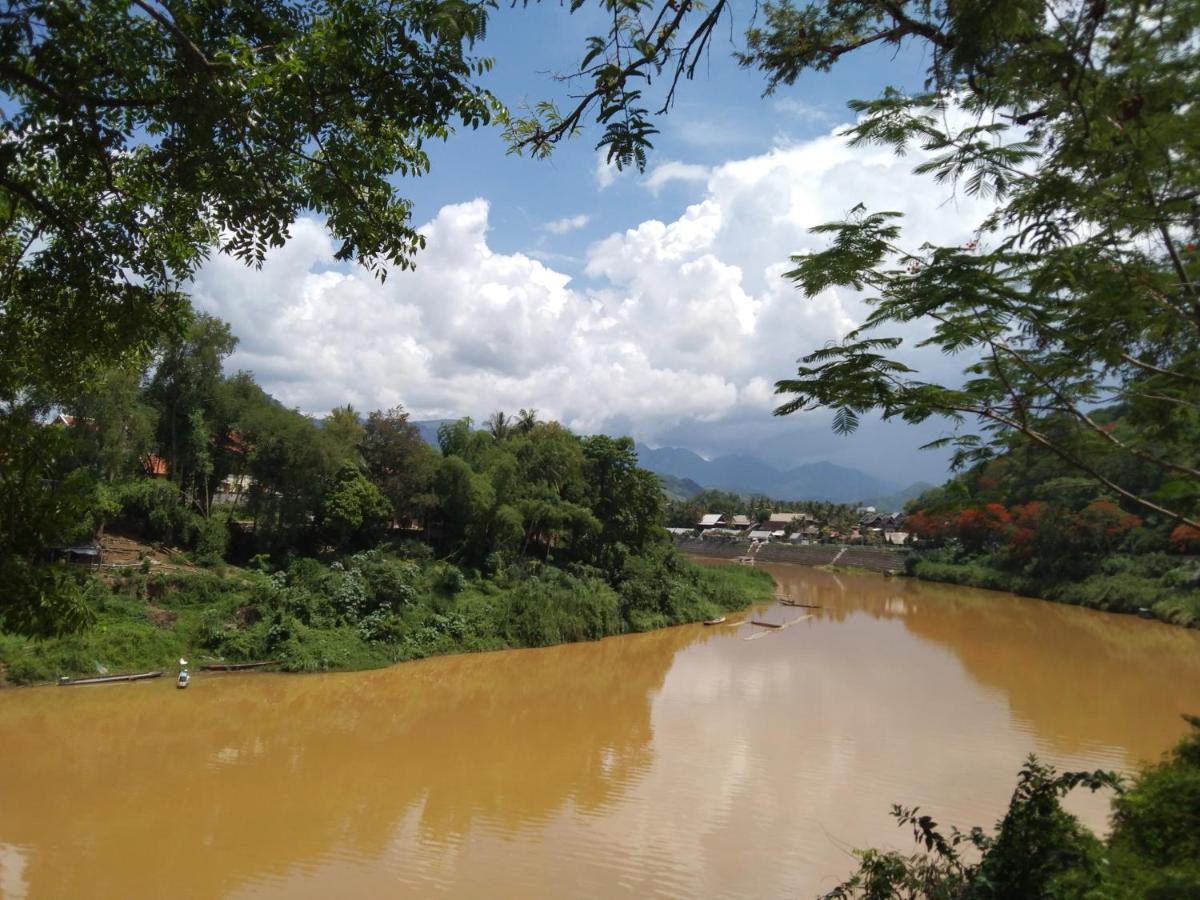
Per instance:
{"type": "Point", "coordinates": [1166, 586]}
{"type": "Point", "coordinates": [371, 610]}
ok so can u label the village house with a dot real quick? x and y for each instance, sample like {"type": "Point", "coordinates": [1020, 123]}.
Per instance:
{"type": "Point", "coordinates": [711, 520]}
{"type": "Point", "coordinates": [233, 489]}
{"type": "Point", "coordinates": [791, 521]}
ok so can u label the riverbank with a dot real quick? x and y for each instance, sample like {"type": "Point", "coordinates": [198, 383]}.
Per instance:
{"type": "Point", "coordinates": [370, 610]}
{"type": "Point", "coordinates": [1152, 585]}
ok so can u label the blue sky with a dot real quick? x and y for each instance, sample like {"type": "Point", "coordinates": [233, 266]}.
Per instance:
{"type": "Point", "coordinates": [649, 304]}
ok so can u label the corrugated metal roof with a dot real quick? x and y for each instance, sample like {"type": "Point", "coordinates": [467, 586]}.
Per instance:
{"type": "Point", "coordinates": [710, 519]}
{"type": "Point", "coordinates": [785, 518]}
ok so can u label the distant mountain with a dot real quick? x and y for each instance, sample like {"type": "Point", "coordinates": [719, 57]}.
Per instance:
{"type": "Point", "coordinates": [679, 489]}
{"type": "Point", "coordinates": [747, 475]}
{"type": "Point", "coordinates": [429, 429]}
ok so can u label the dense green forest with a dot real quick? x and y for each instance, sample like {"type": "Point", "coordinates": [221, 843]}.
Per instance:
{"type": "Point", "coordinates": [334, 543]}
{"type": "Point", "coordinates": [1026, 521]}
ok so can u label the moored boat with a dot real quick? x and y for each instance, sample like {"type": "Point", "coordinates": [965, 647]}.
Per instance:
{"type": "Point", "coordinates": [64, 681]}
{"type": "Point", "coordinates": [238, 667]}
{"type": "Point", "coordinates": [720, 620]}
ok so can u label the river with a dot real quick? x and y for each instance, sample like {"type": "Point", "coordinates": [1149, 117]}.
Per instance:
{"type": "Point", "coordinates": [688, 762]}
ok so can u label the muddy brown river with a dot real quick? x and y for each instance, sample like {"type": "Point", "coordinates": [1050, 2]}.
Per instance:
{"type": "Point", "coordinates": [690, 762]}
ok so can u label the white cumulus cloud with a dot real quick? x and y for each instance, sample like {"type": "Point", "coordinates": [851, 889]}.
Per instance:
{"type": "Point", "coordinates": [664, 173]}
{"type": "Point", "coordinates": [567, 224]}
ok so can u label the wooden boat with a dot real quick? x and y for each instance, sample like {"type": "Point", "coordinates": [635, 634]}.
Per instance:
{"type": "Point", "coordinates": [183, 679]}
{"type": "Point", "coordinates": [774, 627]}
{"type": "Point", "coordinates": [784, 601]}
{"type": "Point", "coordinates": [720, 620]}
{"type": "Point", "coordinates": [108, 679]}
{"type": "Point", "coordinates": [238, 667]}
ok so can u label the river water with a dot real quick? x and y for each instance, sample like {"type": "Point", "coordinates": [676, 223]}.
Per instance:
{"type": "Point", "coordinates": [689, 762]}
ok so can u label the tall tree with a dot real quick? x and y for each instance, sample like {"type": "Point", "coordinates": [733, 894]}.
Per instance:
{"type": "Point", "coordinates": [499, 425]}
{"type": "Point", "coordinates": [343, 432]}
{"type": "Point", "coordinates": [399, 462]}
{"type": "Point", "coordinates": [626, 499]}
{"type": "Point", "coordinates": [526, 420]}
{"type": "Point", "coordinates": [185, 388]}
{"type": "Point", "coordinates": [1083, 287]}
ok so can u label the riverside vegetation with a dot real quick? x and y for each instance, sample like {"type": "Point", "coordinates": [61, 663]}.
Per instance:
{"type": "Point", "coordinates": [1040, 850]}
{"type": "Point", "coordinates": [1025, 522]}
{"type": "Point", "coordinates": [372, 608]}
{"type": "Point", "coordinates": [332, 544]}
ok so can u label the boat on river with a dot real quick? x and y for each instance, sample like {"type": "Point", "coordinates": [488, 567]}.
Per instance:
{"type": "Point", "coordinates": [238, 667]}
{"type": "Point", "coordinates": [784, 601]}
{"type": "Point", "coordinates": [183, 679]}
{"type": "Point", "coordinates": [719, 620]}
{"type": "Point", "coordinates": [64, 681]}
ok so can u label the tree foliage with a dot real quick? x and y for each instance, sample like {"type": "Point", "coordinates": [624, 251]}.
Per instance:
{"type": "Point", "coordinates": [139, 136]}
{"type": "Point", "coordinates": [1040, 850]}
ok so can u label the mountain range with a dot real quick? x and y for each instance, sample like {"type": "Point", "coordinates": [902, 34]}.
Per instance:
{"type": "Point", "coordinates": [748, 475]}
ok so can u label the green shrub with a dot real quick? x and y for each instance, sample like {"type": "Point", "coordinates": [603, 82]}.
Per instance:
{"type": "Point", "coordinates": [446, 578]}
{"type": "Point", "coordinates": [155, 509]}
{"type": "Point", "coordinates": [211, 540]}
{"type": "Point", "coordinates": [557, 607]}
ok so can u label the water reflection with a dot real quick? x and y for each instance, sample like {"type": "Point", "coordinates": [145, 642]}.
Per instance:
{"type": "Point", "coordinates": [124, 792]}
{"type": "Point", "coordinates": [687, 762]}
{"type": "Point", "coordinates": [1077, 678]}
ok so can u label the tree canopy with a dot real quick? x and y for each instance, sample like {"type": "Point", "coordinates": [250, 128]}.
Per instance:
{"type": "Point", "coordinates": [139, 136]}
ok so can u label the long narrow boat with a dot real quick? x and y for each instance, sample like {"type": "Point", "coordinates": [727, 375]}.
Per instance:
{"type": "Point", "coordinates": [107, 679]}
{"type": "Point", "coordinates": [720, 620]}
{"type": "Point", "coordinates": [784, 601]}
{"type": "Point", "coordinates": [238, 667]}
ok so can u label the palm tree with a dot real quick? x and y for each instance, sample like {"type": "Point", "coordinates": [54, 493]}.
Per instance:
{"type": "Point", "coordinates": [526, 420]}
{"type": "Point", "coordinates": [499, 425]}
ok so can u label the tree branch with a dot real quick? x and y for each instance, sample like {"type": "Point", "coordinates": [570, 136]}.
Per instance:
{"type": "Point", "coordinates": [185, 43]}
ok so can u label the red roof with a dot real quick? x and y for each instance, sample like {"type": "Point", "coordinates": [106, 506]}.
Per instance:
{"type": "Point", "coordinates": [234, 442]}
{"type": "Point", "coordinates": [155, 465]}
